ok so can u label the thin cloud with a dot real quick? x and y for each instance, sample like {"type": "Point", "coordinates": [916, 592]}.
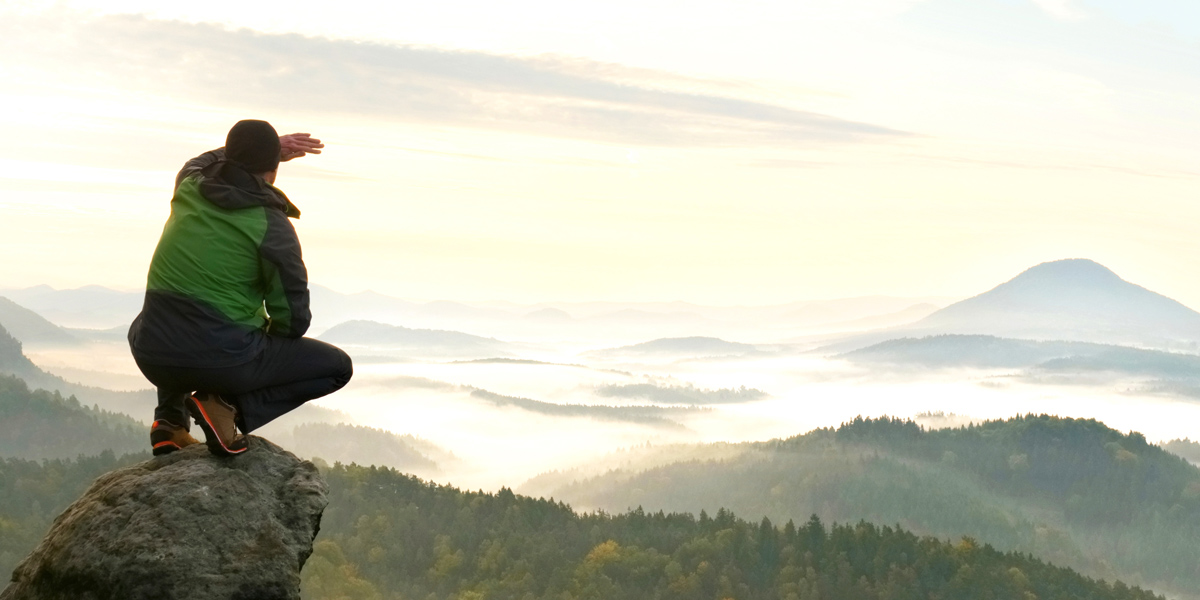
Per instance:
{"type": "Point", "coordinates": [541, 95]}
{"type": "Point", "coordinates": [1060, 9]}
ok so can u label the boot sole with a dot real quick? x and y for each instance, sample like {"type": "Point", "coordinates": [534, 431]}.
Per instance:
{"type": "Point", "coordinates": [212, 440]}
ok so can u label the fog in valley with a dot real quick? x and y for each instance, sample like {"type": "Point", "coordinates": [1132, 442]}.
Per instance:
{"type": "Point", "coordinates": [645, 300]}
{"type": "Point", "coordinates": [1053, 415]}
{"type": "Point", "coordinates": [506, 393]}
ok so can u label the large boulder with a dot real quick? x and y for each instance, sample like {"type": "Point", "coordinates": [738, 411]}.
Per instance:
{"type": "Point", "coordinates": [182, 526]}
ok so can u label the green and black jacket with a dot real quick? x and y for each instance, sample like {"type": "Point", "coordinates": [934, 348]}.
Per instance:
{"type": "Point", "coordinates": [227, 271]}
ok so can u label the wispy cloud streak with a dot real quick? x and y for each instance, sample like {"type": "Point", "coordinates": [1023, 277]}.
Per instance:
{"type": "Point", "coordinates": [539, 95]}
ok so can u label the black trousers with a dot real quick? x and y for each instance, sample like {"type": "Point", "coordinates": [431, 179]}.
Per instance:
{"type": "Point", "coordinates": [288, 373]}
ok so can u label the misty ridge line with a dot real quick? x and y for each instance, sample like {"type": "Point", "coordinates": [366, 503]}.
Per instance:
{"type": "Point", "coordinates": [626, 464]}
{"type": "Point", "coordinates": [655, 416]}
{"type": "Point", "coordinates": [110, 311]}
{"type": "Point", "coordinates": [686, 396]}
{"type": "Point", "coordinates": [532, 362]}
{"type": "Point", "coordinates": [546, 95]}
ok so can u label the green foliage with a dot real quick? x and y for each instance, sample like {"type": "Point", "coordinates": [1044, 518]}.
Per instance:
{"type": "Point", "coordinates": [39, 424]}
{"type": "Point", "coordinates": [388, 535]}
{"type": "Point", "coordinates": [12, 356]}
{"type": "Point", "coordinates": [33, 493]}
{"type": "Point", "coordinates": [328, 576]}
{"type": "Point", "coordinates": [414, 539]}
{"type": "Point", "coordinates": [1185, 448]}
{"type": "Point", "coordinates": [1067, 490]}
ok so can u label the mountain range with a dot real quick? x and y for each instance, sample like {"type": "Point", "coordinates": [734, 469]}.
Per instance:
{"type": "Point", "coordinates": [98, 308]}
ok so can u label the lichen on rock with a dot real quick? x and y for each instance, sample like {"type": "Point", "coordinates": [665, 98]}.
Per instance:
{"type": "Point", "coordinates": [187, 525]}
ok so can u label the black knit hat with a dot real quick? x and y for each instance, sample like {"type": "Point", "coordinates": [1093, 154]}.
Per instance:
{"type": "Point", "coordinates": [254, 145]}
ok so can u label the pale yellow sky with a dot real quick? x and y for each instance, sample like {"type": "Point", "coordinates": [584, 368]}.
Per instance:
{"type": "Point", "coordinates": [721, 153]}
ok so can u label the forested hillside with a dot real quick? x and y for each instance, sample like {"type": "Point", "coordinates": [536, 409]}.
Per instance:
{"type": "Point", "coordinates": [399, 537]}
{"type": "Point", "coordinates": [38, 424]}
{"type": "Point", "coordinates": [14, 362]}
{"type": "Point", "coordinates": [342, 442]}
{"type": "Point", "coordinates": [1186, 448]}
{"type": "Point", "coordinates": [388, 535]}
{"type": "Point", "coordinates": [33, 493]}
{"type": "Point", "coordinates": [1070, 491]}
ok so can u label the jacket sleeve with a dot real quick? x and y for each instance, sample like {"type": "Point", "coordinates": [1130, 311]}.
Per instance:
{"type": "Point", "coordinates": [194, 166]}
{"type": "Point", "coordinates": [285, 279]}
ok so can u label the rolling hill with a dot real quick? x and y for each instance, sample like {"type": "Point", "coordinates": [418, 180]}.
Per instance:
{"type": "Point", "coordinates": [418, 342]}
{"type": "Point", "coordinates": [1132, 369]}
{"type": "Point", "coordinates": [88, 307]}
{"type": "Point", "coordinates": [36, 424]}
{"type": "Point", "coordinates": [30, 328]}
{"type": "Point", "coordinates": [1073, 492]}
{"type": "Point", "coordinates": [346, 443]}
{"type": "Point", "coordinates": [987, 351]}
{"type": "Point", "coordinates": [13, 361]}
{"type": "Point", "coordinates": [387, 535]}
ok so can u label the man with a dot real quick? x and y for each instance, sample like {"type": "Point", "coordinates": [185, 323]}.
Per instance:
{"type": "Point", "coordinates": [220, 333]}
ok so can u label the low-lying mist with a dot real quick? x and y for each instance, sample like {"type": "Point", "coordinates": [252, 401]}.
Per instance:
{"type": "Point", "coordinates": [506, 443]}
{"type": "Point", "coordinates": [507, 420]}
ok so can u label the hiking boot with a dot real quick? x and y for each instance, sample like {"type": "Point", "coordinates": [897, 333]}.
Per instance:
{"type": "Point", "coordinates": [167, 437]}
{"type": "Point", "coordinates": [218, 419]}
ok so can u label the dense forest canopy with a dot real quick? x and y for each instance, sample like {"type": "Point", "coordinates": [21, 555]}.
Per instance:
{"type": "Point", "coordinates": [33, 493]}
{"type": "Point", "coordinates": [42, 424]}
{"type": "Point", "coordinates": [389, 535]}
{"type": "Point", "coordinates": [1071, 491]}
{"type": "Point", "coordinates": [412, 539]}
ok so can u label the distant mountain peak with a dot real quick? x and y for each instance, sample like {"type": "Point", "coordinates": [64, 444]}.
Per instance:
{"type": "Point", "coordinates": [1068, 282]}
{"type": "Point", "coordinates": [1069, 271]}
{"type": "Point", "coordinates": [1072, 299]}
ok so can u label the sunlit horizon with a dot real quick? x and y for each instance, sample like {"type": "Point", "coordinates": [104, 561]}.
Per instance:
{"type": "Point", "coordinates": [725, 154]}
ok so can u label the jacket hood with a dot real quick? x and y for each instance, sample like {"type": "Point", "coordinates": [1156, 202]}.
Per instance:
{"type": "Point", "coordinates": [228, 186]}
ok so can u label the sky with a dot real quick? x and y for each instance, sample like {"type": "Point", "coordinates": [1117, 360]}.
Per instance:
{"type": "Point", "coordinates": [725, 153]}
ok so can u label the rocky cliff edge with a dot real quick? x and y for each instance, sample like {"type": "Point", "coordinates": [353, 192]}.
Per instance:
{"type": "Point", "coordinates": [183, 526]}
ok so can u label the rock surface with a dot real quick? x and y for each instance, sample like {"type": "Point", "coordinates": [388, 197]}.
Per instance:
{"type": "Point", "coordinates": [183, 526]}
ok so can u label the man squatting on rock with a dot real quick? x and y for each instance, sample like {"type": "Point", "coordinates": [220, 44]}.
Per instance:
{"type": "Point", "coordinates": [220, 332]}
